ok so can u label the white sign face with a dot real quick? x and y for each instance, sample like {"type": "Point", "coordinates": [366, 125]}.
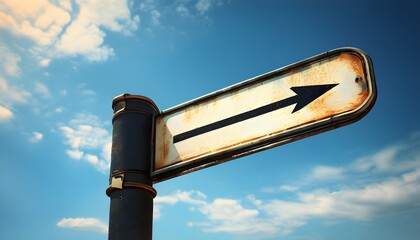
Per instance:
{"type": "Point", "coordinates": [312, 96]}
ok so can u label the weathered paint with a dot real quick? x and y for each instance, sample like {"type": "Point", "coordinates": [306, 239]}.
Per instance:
{"type": "Point", "coordinates": [351, 99]}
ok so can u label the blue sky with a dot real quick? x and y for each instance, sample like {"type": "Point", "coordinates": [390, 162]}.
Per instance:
{"type": "Point", "coordinates": [62, 62]}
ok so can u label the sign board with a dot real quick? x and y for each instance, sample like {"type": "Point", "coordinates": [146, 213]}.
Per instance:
{"type": "Point", "coordinates": [315, 95]}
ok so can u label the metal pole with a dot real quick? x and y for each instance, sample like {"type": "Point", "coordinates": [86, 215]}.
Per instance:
{"type": "Point", "coordinates": [130, 190]}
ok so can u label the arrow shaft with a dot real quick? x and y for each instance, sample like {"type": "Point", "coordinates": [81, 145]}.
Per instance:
{"type": "Point", "coordinates": [237, 118]}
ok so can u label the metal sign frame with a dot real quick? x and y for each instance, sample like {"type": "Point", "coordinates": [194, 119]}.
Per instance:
{"type": "Point", "coordinates": [293, 134]}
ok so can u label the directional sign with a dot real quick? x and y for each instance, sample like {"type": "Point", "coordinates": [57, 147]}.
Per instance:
{"type": "Point", "coordinates": [318, 94]}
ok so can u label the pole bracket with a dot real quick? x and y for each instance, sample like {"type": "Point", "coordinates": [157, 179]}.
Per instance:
{"type": "Point", "coordinates": [118, 183]}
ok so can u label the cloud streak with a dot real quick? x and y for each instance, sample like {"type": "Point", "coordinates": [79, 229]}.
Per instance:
{"type": "Point", "coordinates": [9, 62]}
{"type": "Point", "coordinates": [84, 224]}
{"type": "Point", "coordinates": [11, 94]}
{"type": "Point", "coordinates": [36, 137]}
{"type": "Point", "coordinates": [5, 114]}
{"type": "Point", "coordinates": [157, 15]}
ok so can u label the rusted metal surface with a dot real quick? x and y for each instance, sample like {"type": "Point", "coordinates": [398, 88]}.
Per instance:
{"type": "Point", "coordinates": [351, 95]}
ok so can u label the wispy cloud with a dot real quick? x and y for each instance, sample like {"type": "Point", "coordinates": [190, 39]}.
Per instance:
{"type": "Point", "coordinates": [85, 224]}
{"type": "Point", "coordinates": [393, 159]}
{"type": "Point", "coordinates": [326, 173]}
{"type": "Point", "coordinates": [194, 198]}
{"type": "Point", "coordinates": [398, 191]}
{"type": "Point", "coordinates": [9, 61]}
{"type": "Point", "coordinates": [5, 114]}
{"type": "Point", "coordinates": [42, 90]}
{"type": "Point", "coordinates": [74, 154]}
{"type": "Point", "coordinates": [11, 94]}
{"type": "Point", "coordinates": [88, 139]}
{"type": "Point", "coordinates": [203, 6]}
{"type": "Point", "coordinates": [36, 137]}
{"type": "Point", "coordinates": [159, 15]}
{"type": "Point", "coordinates": [288, 188]}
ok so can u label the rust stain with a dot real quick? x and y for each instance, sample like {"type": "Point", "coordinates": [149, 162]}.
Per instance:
{"type": "Point", "coordinates": [354, 62]}
{"type": "Point", "coordinates": [194, 110]}
{"type": "Point", "coordinates": [323, 107]}
{"type": "Point", "coordinates": [163, 146]}
{"type": "Point", "coordinates": [311, 74]}
{"type": "Point", "coordinates": [189, 113]}
{"type": "Point", "coordinates": [361, 98]}
{"type": "Point", "coordinates": [356, 65]}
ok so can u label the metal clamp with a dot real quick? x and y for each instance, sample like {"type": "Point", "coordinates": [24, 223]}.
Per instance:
{"type": "Point", "coordinates": [118, 183]}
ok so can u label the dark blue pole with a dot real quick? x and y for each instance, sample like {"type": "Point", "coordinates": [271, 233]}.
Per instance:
{"type": "Point", "coordinates": [131, 188]}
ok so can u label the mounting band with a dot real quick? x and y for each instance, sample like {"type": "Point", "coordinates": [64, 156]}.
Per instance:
{"type": "Point", "coordinates": [118, 183]}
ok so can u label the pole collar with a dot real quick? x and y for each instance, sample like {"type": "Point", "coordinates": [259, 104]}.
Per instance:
{"type": "Point", "coordinates": [118, 183]}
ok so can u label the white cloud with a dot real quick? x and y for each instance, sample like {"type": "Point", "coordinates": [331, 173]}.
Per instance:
{"type": "Point", "coordinates": [86, 41]}
{"type": "Point", "coordinates": [10, 94]}
{"type": "Point", "coordinates": [397, 191]}
{"type": "Point", "coordinates": [155, 17]}
{"type": "Point", "coordinates": [89, 140]}
{"type": "Point", "coordinates": [198, 11]}
{"type": "Point", "coordinates": [59, 30]}
{"type": "Point", "coordinates": [85, 224]}
{"type": "Point", "coordinates": [191, 197]}
{"type": "Point", "coordinates": [65, 4]}
{"type": "Point", "coordinates": [85, 37]}
{"type": "Point", "coordinates": [9, 61]}
{"type": "Point", "coordinates": [393, 159]}
{"type": "Point", "coordinates": [85, 136]}
{"type": "Point", "coordinates": [224, 215]}
{"type": "Point", "coordinates": [244, 220]}
{"type": "Point", "coordinates": [325, 173]}
{"type": "Point", "coordinates": [42, 90]}
{"type": "Point", "coordinates": [194, 198]}
{"type": "Point", "coordinates": [38, 20]}
{"type": "Point", "coordinates": [36, 137]}
{"type": "Point", "coordinates": [92, 159]}
{"type": "Point", "coordinates": [88, 92]}
{"type": "Point", "coordinates": [379, 161]}
{"type": "Point", "coordinates": [148, 5]}
{"type": "Point", "coordinates": [106, 151]}
{"type": "Point", "coordinates": [227, 211]}
{"type": "Point", "coordinates": [253, 200]}
{"type": "Point", "coordinates": [288, 188]}
{"type": "Point", "coordinates": [182, 10]}
{"type": "Point", "coordinates": [203, 6]}
{"type": "Point", "coordinates": [279, 217]}
{"type": "Point", "coordinates": [75, 154]}
{"type": "Point", "coordinates": [5, 114]}
{"type": "Point", "coordinates": [59, 109]}
{"type": "Point", "coordinates": [100, 164]}
{"type": "Point", "coordinates": [44, 62]}
{"type": "Point", "coordinates": [373, 200]}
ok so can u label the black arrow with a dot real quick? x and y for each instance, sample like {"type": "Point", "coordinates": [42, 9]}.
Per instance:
{"type": "Point", "coordinates": [304, 96]}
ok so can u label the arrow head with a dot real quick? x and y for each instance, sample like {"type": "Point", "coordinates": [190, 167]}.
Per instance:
{"type": "Point", "coordinates": [307, 94]}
